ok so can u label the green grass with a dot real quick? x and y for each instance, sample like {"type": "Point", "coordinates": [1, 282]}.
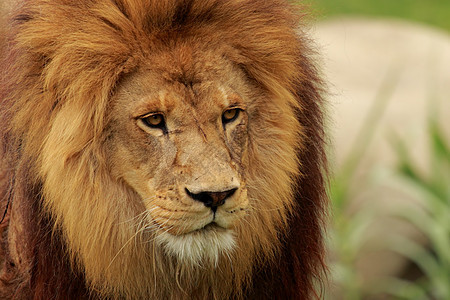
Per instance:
{"type": "Point", "coordinates": [347, 233]}
{"type": "Point", "coordinates": [433, 221]}
{"type": "Point", "coordinates": [432, 259]}
{"type": "Point", "coordinates": [432, 12]}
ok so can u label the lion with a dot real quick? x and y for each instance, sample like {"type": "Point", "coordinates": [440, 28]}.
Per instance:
{"type": "Point", "coordinates": [161, 149]}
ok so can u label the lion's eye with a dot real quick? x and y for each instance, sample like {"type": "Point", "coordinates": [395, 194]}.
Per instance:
{"type": "Point", "coordinates": [230, 115]}
{"type": "Point", "coordinates": [154, 121]}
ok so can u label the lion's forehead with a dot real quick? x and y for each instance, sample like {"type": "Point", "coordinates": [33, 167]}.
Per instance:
{"type": "Point", "coordinates": [198, 102]}
{"type": "Point", "coordinates": [197, 73]}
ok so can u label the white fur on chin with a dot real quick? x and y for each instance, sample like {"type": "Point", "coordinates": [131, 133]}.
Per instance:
{"type": "Point", "coordinates": [198, 247]}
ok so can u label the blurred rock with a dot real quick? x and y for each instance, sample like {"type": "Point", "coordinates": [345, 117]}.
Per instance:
{"type": "Point", "coordinates": [358, 55]}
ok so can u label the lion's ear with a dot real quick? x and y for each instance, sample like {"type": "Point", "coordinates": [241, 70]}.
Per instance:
{"type": "Point", "coordinates": [129, 66]}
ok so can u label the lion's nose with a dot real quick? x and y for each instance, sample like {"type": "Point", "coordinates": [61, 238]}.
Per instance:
{"type": "Point", "coordinates": [211, 199]}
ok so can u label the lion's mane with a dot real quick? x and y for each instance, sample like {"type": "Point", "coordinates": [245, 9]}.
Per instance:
{"type": "Point", "coordinates": [66, 233]}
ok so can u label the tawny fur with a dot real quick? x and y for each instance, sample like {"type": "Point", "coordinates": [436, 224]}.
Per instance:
{"type": "Point", "coordinates": [72, 68]}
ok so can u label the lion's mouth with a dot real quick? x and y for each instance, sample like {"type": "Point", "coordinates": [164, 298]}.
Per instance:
{"type": "Point", "coordinates": [205, 244]}
{"type": "Point", "coordinates": [213, 226]}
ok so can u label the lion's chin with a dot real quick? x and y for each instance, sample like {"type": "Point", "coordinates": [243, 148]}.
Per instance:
{"type": "Point", "coordinates": [201, 247]}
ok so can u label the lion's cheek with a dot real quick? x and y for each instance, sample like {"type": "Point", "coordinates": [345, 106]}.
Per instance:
{"type": "Point", "coordinates": [144, 171]}
{"type": "Point", "coordinates": [238, 142]}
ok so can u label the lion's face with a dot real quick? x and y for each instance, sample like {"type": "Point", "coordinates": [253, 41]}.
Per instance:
{"type": "Point", "coordinates": [167, 153]}
{"type": "Point", "coordinates": [180, 141]}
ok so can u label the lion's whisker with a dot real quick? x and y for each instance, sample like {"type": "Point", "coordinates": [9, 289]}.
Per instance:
{"type": "Point", "coordinates": [140, 215]}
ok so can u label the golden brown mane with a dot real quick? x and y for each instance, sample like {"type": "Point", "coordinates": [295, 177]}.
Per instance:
{"type": "Point", "coordinates": [72, 229]}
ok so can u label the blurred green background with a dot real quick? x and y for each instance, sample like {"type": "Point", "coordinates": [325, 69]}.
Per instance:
{"type": "Point", "coordinates": [433, 12]}
{"type": "Point", "coordinates": [418, 193]}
